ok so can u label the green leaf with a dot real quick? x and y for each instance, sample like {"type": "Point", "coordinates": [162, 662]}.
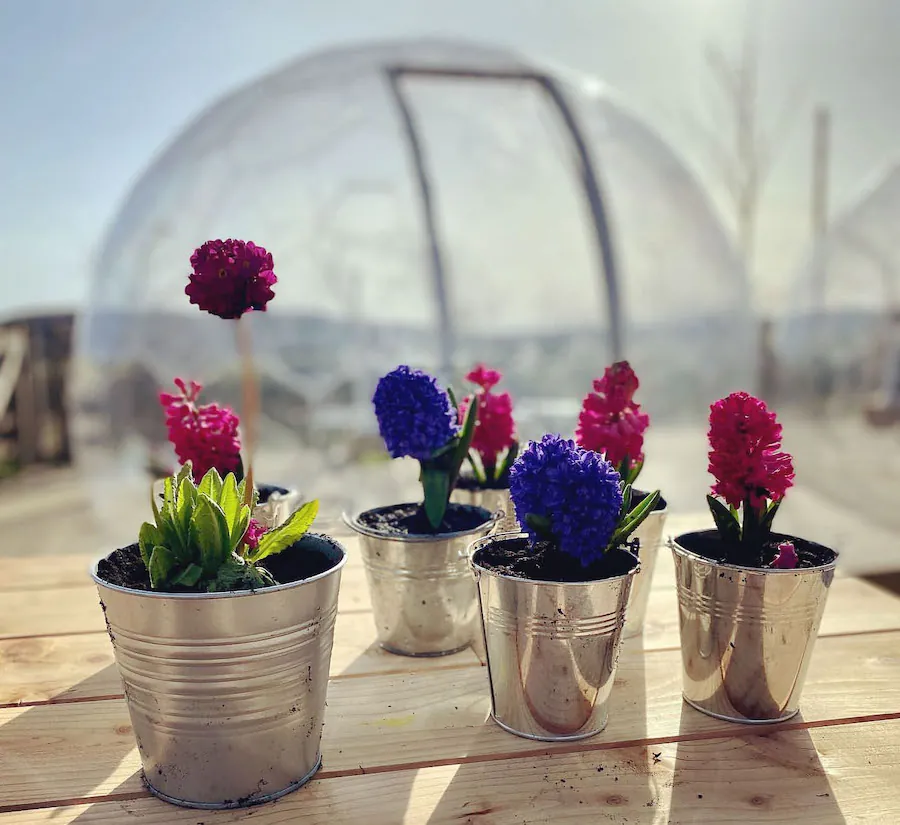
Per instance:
{"type": "Point", "coordinates": [453, 401]}
{"type": "Point", "coordinates": [635, 471]}
{"type": "Point", "coordinates": [211, 484]}
{"type": "Point", "coordinates": [230, 501]}
{"type": "Point", "coordinates": [634, 519]}
{"type": "Point", "coordinates": [161, 562]}
{"type": "Point", "coordinates": [148, 537]}
{"type": "Point", "coordinates": [726, 522]}
{"type": "Point", "coordinates": [230, 576]}
{"type": "Point", "coordinates": [184, 507]}
{"type": "Point", "coordinates": [540, 524]}
{"type": "Point", "coordinates": [511, 455]}
{"type": "Point", "coordinates": [169, 495]}
{"type": "Point", "coordinates": [769, 517]}
{"type": "Point", "coordinates": [280, 538]}
{"type": "Point", "coordinates": [213, 539]}
{"type": "Point", "coordinates": [436, 487]}
{"type": "Point", "coordinates": [626, 500]}
{"type": "Point", "coordinates": [475, 463]}
{"type": "Point", "coordinates": [240, 526]}
{"type": "Point", "coordinates": [189, 576]}
{"type": "Point", "coordinates": [186, 472]}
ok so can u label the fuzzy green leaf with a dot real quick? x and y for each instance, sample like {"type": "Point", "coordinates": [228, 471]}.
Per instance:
{"type": "Point", "coordinates": [148, 537]}
{"type": "Point", "coordinates": [240, 526]}
{"type": "Point", "coordinates": [436, 487]}
{"type": "Point", "coordinates": [161, 563]}
{"type": "Point", "coordinates": [169, 495]}
{"type": "Point", "coordinates": [213, 539]}
{"type": "Point", "coordinates": [189, 576]}
{"type": "Point", "coordinates": [230, 576]}
{"type": "Point", "coordinates": [211, 484]}
{"type": "Point", "coordinates": [230, 501]}
{"type": "Point", "coordinates": [289, 533]}
{"type": "Point", "coordinates": [726, 522]}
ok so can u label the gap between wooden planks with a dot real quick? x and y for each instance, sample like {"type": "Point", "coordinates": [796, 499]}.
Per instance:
{"type": "Point", "coordinates": [391, 723]}
{"type": "Point", "coordinates": [822, 776]}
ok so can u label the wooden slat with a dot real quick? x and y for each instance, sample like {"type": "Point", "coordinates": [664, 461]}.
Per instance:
{"type": "Point", "coordinates": [74, 668]}
{"type": "Point", "coordinates": [85, 749]}
{"type": "Point", "coordinates": [823, 776]}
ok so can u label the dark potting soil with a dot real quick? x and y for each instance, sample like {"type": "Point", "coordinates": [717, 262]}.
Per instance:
{"type": "Point", "coordinates": [125, 568]}
{"type": "Point", "coordinates": [543, 561]}
{"type": "Point", "coordinates": [707, 543]}
{"type": "Point", "coordinates": [410, 519]}
{"type": "Point", "coordinates": [467, 481]}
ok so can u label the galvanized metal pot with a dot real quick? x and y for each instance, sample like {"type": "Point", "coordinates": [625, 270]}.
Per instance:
{"type": "Point", "coordinates": [492, 500]}
{"type": "Point", "coordinates": [747, 634]}
{"type": "Point", "coordinates": [552, 649]}
{"type": "Point", "coordinates": [226, 691]}
{"type": "Point", "coordinates": [649, 536]}
{"type": "Point", "coordinates": [423, 596]}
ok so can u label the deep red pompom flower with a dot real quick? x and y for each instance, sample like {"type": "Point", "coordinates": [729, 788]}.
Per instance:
{"type": "Point", "coordinates": [231, 277]}
{"type": "Point", "coordinates": [495, 430]}
{"type": "Point", "coordinates": [611, 421]}
{"type": "Point", "coordinates": [745, 455]}
{"type": "Point", "coordinates": [206, 435]}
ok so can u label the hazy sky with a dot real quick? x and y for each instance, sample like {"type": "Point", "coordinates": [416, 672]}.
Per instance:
{"type": "Point", "coordinates": [91, 89]}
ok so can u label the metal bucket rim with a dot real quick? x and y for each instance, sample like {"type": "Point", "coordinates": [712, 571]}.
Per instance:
{"type": "Point", "coordinates": [417, 538]}
{"type": "Point", "coordinates": [228, 594]}
{"type": "Point", "coordinates": [479, 543]}
{"type": "Point", "coordinates": [675, 547]}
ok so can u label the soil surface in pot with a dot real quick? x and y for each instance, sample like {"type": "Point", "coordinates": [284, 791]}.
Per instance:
{"type": "Point", "coordinates": [410, 519]}
{"type": "Point", "coordinates": [266, 491]}
{"type": "Point", "coordinates": [708, 544]}
{"type": "Point", "coordinates": [125, 568]}
{"type": "Point", "coordinates": [543, 561]}
{"type": "Point", "coordinates": [469, 482]}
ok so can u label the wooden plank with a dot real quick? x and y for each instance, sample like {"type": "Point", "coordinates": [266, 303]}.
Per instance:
{"type": "Point", "coordinates": [823, 776]}
{"type": "Point", "coordinates": [75, 668]}
{"type": "Point", "coordinates": [85, 749]}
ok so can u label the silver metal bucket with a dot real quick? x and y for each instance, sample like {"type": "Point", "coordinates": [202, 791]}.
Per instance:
{"type": "Point", "coordinates": [649, 536]}
{"type": "Point", "coordinates": [226, 691]}
{"type": "Point", "coordinates": [747, 635]}
{"type": "Point", "coordinates": [493, 501]}
{"type": "Point", "coordinates": [422, 592]}
{"type": "Point", "coordinates": [274, 512]}
{"type": "Point", "coordinates": [552, 649]}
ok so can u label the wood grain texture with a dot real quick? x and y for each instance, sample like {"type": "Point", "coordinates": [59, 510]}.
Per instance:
{"type": "Point", "coordinates": [825, 776]}
{"type": "Point", "coordinates": [393, 722]}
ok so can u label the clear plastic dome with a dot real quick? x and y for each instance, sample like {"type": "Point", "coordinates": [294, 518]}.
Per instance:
{"type": "Point", "coordinates": [842, 334]}
{"type": "Point", "coordinates": [317, 162]}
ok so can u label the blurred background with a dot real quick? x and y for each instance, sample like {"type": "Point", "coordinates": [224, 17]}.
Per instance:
{"type": "Point", "coordinates": [705, 187]}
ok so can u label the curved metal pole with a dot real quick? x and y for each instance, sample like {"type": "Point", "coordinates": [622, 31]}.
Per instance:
{"type": "Point", "coordinates": [445, 325]}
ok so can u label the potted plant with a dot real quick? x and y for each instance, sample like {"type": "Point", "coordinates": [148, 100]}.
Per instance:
{"type": "Point", "coordinates": [611, 423]}
{"type": "Point", "coordinates": [222, 632]}
{"type": "Point", "coordinates": [416, 554]}
{"type": "Point", "coordinates": [553, 599]}
{"type": "Point", "coordinates": [493, 450]}
{"type": "Point", "coordinates": [207, 435]}
{"type": "Point", "coordinates": [750, 600]}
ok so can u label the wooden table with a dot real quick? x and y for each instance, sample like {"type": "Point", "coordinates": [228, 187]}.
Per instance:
{"type": "Point", "coordinates": [410, 741]}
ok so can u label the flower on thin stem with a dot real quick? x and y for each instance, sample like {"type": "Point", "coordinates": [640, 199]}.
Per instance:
{"type": "Point", "coordinates": [206, 435]}
{"type": "Point", "coordinates": [611, 421]}
{"type": "Point", "coordinates": [231, 277]}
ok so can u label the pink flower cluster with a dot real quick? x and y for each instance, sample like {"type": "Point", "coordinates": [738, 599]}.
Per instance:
{"type": "Point", "coordinates": [206, 435]}
{"type": "Point", "coordinates": [611, 421]}
{"type": "Point", "coordinates": [745, 455]}
{"type": "Point", "coordinates": [230, 278]}
{"type": "Point", "coordinates": [255, 531]}
{"type": "Point", "coordinates": [495, 430]}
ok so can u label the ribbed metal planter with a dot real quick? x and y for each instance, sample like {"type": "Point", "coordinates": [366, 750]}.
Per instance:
{"type": "Point", "coordinates": [747, 635]}
{"type": "Point", "coordinates": [226, 691]}
{"type": "Point", "coordinates": [423, 596]}
{"type": "Point", "coordinates": [552, 649]}
{"type": "Point", "coordinates": [493, 501]}
{"type": "Point", "coordinates": [649, 536]}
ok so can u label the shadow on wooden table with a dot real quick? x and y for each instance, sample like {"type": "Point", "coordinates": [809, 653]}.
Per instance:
{"type": "Point", "coordinates": [550, 780]}
{"type": "Point", "coordinates": [65, 751]}
{"type": "Point", "coordinates": [762, 774]}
